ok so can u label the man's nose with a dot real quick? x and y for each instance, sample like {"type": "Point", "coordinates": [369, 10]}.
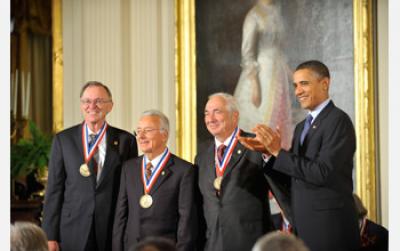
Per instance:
{"type": "Point", "coordinates": [298, 91]}
{"type": "Point", "coordinates": [93, 104]}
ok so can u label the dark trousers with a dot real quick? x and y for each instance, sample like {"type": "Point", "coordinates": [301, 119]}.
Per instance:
{"type": "Point", "coordinates": [91, 244]}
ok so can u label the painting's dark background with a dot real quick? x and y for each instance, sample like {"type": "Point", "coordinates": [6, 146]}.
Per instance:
{"type": "Point", "coordinates": [320, 30]}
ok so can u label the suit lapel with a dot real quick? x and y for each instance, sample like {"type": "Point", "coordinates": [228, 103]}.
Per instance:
{"type": "Point", "coordinates": [136, 172]}
{"type": "Point", "coordinates": [317, 122]}
{"type": "Point", "coordinates": [165, 173]}
{"type": "Point", "coordinates": [78, 142]}
{"type": "Point", "coordinates": [79, 146]}
{"type": "Point", "coordinates": [112, 156]}
{"type": "Point", "coordinates": [236, 155]}
{"type": "Point", "coordinates": [210, 162]}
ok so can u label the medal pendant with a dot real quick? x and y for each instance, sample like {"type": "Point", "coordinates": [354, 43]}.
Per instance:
{"type": "Point", "coordinates": [146, 201]}
{"type": "Point", "coordinates": [84, 170]}
{"type": "Point", "coordinates": [217, 183]}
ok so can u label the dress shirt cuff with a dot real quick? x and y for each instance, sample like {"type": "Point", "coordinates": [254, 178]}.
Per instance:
{"type": "Point", "coordinates": [266, 157]}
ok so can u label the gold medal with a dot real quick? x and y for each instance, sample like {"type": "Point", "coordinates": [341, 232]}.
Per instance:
{"type": "Point", "coordinates": [217, 183]}
{"type": "Point", "coordinates": [146, 201]}
{"type": "Point", "coordinates": [84, 170]}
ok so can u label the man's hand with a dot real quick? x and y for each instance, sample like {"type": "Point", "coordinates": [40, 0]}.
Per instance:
{"type": "Point", "coordinates": [253, 144]}
{"type": "Point", "coordinates": [269, 138]}
{"type": "Point", "coordinates": [53, 246]}
{"type": "Point", "coordinates": [266, 141]}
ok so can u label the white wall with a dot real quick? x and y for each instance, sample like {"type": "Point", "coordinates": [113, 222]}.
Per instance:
{"type": "Point", "coordinates": [382, 68]}
{"type": "Point", "coordinates": [129, 46]}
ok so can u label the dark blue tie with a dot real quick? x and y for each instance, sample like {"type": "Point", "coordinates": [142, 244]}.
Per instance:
{"type": "Point", "coordinates": [307, 126]}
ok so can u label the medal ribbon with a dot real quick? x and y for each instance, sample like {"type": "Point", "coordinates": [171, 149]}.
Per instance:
{"type": "Point", "coordinates": [221, 166]}
{"type": "Point", "coordinates": [148, 184]}
{"type": "Point", "coordinates": [88, 152]}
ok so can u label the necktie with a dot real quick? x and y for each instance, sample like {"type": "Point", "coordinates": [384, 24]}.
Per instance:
{"type": "Point", "coordinates": [307, 126]}
{"type": "Point", "coordinates": [92, 139]}
{"type": "Point", "coordinates": [220, 152]}
{"type": "Point", "coordinates": [148, 170]}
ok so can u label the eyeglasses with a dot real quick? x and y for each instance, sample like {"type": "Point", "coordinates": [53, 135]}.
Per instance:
{"type": "Point", "coordinates": [96, 102]}
{"type": "Point", "coordinates": [145, 131]}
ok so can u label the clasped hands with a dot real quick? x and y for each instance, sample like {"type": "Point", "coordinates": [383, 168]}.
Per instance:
{"type": "Point", "coordinates": [267, 141]}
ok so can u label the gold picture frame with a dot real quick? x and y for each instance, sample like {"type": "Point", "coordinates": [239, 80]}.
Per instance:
{"type": "Point", "coordinates": [364, 93]}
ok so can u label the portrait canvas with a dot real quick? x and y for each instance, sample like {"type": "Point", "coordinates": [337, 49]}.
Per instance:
{"type": "Point", "coordinates": [251, 48]}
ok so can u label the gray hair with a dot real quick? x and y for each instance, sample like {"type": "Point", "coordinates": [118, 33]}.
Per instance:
{"type": "Point", "coordinates": [278, 241]}
{"type": "Point", "coordinates": [26, 236]}
{"type": "Point", "coordinates": [97, 84]}
{"type": "Point", "coordinates": [164, 122]}
{"type": "Point", "coordinates": [232, 104]}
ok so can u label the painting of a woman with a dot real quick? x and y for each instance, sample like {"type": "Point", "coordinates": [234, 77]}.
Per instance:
{"type": "Point", "coordinates": [263, 87]}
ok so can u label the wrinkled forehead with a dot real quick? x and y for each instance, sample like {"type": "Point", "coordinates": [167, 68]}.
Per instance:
{"type": "Point", "coordinates": [95, 92]}
{"type": "Point", "coordinates": [149, 121]}
{"type": "Point", "coordinates": [216, 103]}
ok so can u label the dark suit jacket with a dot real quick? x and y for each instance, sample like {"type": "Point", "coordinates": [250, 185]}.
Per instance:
{"type": "Point", "coordinates": [322, 204]}
{"type": "Point", "coordinates": [173, 212]}
{"type": "Point", "coordinates": [374, 237]}
{"type": "Point", "coordinates": [73, 202]}
{"type": "Point", "coordinates": [241, 214]}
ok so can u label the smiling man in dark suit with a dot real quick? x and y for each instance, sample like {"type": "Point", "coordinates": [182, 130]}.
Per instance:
{"type": "Point", "coordinates": [157, 191]}
{"type": "Point", "coordinates": [320, 164]}
{"type": "Point", "coordinates": [231, 181]}
{"type": "Point", "coordinates": [84, 174]}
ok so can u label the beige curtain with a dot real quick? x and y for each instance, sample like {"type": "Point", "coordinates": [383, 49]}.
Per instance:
{"type": "Point", "coordinates": [31, 55]}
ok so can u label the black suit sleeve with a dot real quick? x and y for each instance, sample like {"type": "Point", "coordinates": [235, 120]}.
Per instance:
{"type": "Point", "coordinates": [121, 214]}
{"type": "Point", "coordinates": [54, 193]}
{"type": "Point", "coordinates": [333, 152]}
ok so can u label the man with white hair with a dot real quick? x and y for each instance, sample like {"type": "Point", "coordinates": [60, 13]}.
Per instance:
{"type": "Point", "coordinates": [231, 181]}
{"type": "Point", "coordinates": [156, 196]}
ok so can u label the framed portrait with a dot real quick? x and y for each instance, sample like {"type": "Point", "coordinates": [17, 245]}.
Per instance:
{"type": "Point", "coordinates": [222, 46]}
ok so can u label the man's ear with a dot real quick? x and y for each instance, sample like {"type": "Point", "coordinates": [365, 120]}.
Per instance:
{"type": "Point", "coordinates": [235, 116]}
{"type": "Point", "coordinates": [325, 83]}
{"type": "Point", "coordinates": [110, 107]}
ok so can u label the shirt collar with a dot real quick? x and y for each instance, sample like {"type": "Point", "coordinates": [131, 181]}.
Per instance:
{"type": "Point", "coordinates": [314, 113]}
{"type": "Point", "coordinates": [157, 159]}
{"type": "Point", "coordinates": [226, 142]}
{"type": "Point", "coordinates": [90, 131]}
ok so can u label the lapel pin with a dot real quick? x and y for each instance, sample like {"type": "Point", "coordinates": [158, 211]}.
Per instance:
{"type": "Point", "coordinates": [115, 143]}
{"type": "Point", "coordinates": [163, 173]}
{"type": "Point", "coordinates": [239, 151]}
{"type": "Point", "coordinates": [314, 126]}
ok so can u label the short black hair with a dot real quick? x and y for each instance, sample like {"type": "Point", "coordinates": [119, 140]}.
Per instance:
{"type": "Point", "coordinates": [95, 83]}
{"type": "Point", "coordinates": [316, 66]}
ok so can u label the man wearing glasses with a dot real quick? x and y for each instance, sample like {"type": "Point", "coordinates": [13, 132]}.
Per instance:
{"type": "Point", "coordinates": [156, 196]}
{"type": "Point", "coordinates": [84, 173]}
